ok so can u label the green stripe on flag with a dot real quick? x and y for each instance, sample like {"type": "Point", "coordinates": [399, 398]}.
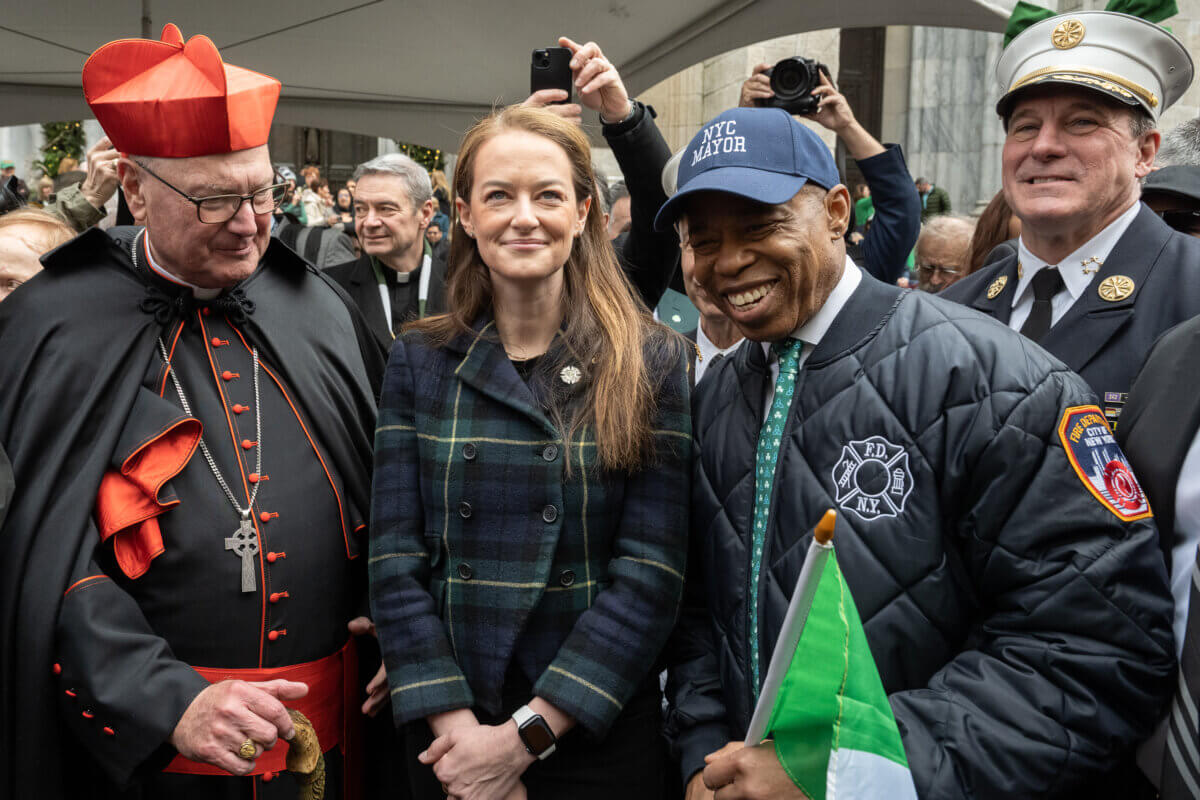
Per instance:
{"type": "Point", "coordinates": [831, 697]}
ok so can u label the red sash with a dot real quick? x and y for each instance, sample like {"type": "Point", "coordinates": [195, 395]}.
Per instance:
{"type": "Point", "coordinates": [331, 705]}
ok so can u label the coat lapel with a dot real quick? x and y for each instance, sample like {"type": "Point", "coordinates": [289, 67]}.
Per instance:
{"type": "Point", "coordinates": [365, 291]}
{"type": "Point", "coordinates": [1091, 321]}
{"type": "Point", "coordinates": [486, 367]}
{"type": "Point", "coordinates": [999, 306]}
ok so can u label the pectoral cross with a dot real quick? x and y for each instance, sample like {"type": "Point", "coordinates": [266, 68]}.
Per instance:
{"type": "Point", "coordinates": [244, 545]}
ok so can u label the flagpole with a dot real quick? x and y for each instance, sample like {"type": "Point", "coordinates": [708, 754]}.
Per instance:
{"type": "Point", "coordinates": [793, 625]}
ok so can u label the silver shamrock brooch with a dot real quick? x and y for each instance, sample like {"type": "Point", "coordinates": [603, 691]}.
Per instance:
{"type": "Point", "coordinates": [570, 374]}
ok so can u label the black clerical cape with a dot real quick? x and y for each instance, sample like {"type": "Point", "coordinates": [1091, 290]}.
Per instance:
{"type": "Point", "coordinates": [117, 576]}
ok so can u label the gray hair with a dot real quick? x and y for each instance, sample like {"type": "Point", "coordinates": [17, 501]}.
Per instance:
{"type": "Point", "coordinates": [417, 185]}
{"type": "Point", "coordinates": [1180, 146]}
{"type": "Point", "coordinates": [953, 227]}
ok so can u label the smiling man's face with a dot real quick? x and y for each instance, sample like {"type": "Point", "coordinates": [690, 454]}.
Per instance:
{"type": "Point", "coordinates": [768, 268]}
{"type": "Point", "coordinates": [1071, 161]}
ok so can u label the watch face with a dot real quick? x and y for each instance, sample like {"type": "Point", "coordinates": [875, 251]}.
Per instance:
{"type": "Point", "coordinates": [537, 736]}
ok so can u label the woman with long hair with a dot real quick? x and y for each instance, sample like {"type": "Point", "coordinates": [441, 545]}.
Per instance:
{"type": "Point", "coordinates": [529, 514]}
{"type": "Point", "coordinates": [997, 224]}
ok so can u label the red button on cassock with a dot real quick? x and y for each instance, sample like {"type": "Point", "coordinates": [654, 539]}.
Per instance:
{"type": "Point", "coordinates": [264, 516]}
{"type": "Point", "coordinates": [58, 669]}
{"type": "Point", "coordinates": [268, 777]}
{"type": "Point", "coordinates": [252, 477]}
{"type": "Point", "coordinates": [273, 635]}
{"type": "Point", "coordinates": [247, 444]}
{"type": "Point", "coordinates": [277, 596]}
{"type": "Point", "coordinates": [216, 342]}
{"type": "Point", "coordinates": [109, 731]}
{"type": "Point", "coordinates": [69, 693]}
{"type": "Point", "coordinates": [227, 375]}
{"type": "Point", "coordinates": [237, 408]}
{"type": "Point", "coordinates": [87, 714]}
{"type": "Point", "coordinates": [273, 557]}
{"type": "Point", "coordinates": [205, 311]}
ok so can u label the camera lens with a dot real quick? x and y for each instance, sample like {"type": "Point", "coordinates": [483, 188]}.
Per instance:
{"type": "Point", "coordinates": [791, 79]}
{"type": "Point", "coordinates": [541, 59]}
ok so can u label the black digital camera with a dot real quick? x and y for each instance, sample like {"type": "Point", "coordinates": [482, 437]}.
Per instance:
{"type": "Point", "coordinates": [792, 81]}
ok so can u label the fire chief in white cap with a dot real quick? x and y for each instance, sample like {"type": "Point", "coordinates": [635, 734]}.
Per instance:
{"type": "Point", "coordinates": [1097, 275]}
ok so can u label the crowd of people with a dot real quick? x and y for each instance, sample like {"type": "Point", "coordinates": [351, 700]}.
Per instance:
{"type": "Point", "coordinates": [405, 490]}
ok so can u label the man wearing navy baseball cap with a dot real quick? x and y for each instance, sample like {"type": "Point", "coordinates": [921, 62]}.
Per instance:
{"type": "Point", "coordinates": [1000, 554]}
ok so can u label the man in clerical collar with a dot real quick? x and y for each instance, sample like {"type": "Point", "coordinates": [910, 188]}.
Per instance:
{"type": "Point", "coordinates": [395, 280]}
{"type": "Point", "coordinates": [1096, 276]}
{"type": "Point", "coordinates": [953, 451]}
{"type": "Point", "coordinates": [188, 408]}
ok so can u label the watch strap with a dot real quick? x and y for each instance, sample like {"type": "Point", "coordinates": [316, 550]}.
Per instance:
{"type": "Point", "coordinates": [526, 715]}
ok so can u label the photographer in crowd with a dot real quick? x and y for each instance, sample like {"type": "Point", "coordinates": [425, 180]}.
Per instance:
{"type": "Point", "coordinates": [897, 221]}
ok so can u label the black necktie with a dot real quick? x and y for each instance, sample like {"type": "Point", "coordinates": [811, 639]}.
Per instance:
{"type": "Point", "coordinates": [1181, 759]}
{"type": "Point", "coordinates": [1046, 283]}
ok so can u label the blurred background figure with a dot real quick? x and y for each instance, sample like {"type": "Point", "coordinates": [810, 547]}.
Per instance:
{"type": "Point", "coordinates": [45, 192]}
{"type": "Point", "coordinates": [441, 193]}
{"type": "Point", "coordinates": [934, 199]}
{"type": "Point", "coordinates": [620, 218]}
{"type": "Point", "coordinates": [942, 251]}
{"type": "Point", "coordinates": [864, 208]}
{"type": "Point", "coordinates": [25, 234]}
{"type": "Point", "coordinates": [1180, 146]}
{"type": "Point", "coordinates": [1174, 194]}
{"type": "Point", "coordinates": [996, 226]}
{"type": "Point", "coordinates": [437, 235]}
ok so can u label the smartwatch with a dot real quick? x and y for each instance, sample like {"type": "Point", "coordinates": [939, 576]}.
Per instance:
{"type": "Point", "coordinates": [535, 734]}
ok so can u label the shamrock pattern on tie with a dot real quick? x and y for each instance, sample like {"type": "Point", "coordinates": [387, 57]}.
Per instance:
{"type": "Point", "coordinates": [769, 437]}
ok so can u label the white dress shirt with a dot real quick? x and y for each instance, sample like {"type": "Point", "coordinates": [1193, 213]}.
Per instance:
{"type": "Point", "coordinates": [811, 332]}
{"type": "Point", "coordinates": [1076, 274]}
{"type": "Point", "coordinates": [709, 351]}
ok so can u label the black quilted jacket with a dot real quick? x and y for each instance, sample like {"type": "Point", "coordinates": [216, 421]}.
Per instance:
{"type": "Point", "coordinates": [1021, 628]}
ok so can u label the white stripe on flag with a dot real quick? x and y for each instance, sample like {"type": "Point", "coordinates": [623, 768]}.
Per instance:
{"type": "Point", "coordinates": [860, 775]}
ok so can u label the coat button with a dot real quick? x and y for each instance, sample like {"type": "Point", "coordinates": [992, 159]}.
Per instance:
{"type": "Point", "coordinates": [268, 777]}
{"type": "Point", "coordinates": [58, 669]}
{"type": "Point", "coordinates": [247, 444]}
{"type": "Point", "coordinates": [549, 513]}
{"type": "Point", "coordinates": [239, 408]}
{"type": "Point", "coordinates": [567, 577]}
{"type": "Point", "coordinates": [109, 731]}
{"type": "Point", "coordinates": [550, 452]}
{"type": "Point", "coordinates": [465, 572]}
{"type": "Point", "coordinates": [227, 375]}
{"type": "Point", "coordinates": [464, 509]}
{"type": "Point", "coordinates": [468, 451]}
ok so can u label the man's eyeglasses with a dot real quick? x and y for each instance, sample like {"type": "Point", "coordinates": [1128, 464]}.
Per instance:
{"type": "Point", "coordinates": [1183, 221]}
{"type": "Point", "coordinates": [926, 271]}
{"type": "Point", "coordinates": [221, 208]}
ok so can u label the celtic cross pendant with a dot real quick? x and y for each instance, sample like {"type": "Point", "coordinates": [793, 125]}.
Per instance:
{"type": "Point", "coordinates": [244, 545]}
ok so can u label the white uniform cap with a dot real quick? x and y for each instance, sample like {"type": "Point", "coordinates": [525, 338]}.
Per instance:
{"type": "Point", "coordinates": [1125, 57]}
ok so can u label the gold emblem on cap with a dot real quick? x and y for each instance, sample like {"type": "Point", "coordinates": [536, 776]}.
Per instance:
{"type": "Point", "coordinates": [997, 287]}
{"type": "Point", "coordinates": [1116, 287]}
{"type": "Point", "coordinates": [1067, 34]}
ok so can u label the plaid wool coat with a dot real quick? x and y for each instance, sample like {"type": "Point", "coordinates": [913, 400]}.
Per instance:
{"type": "Point", "coordinates": [486, 555]}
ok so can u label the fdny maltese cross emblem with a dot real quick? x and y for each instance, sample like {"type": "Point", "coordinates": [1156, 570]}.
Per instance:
{"type": "Point", "coordinates": [872, 478]}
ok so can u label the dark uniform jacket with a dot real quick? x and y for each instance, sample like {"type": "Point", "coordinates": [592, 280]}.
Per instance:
{"type": "Point", "coordinates": [487, 556]}
{"type": "Point", "coordinates": [893, 233]}
{"type": "Point", "coordinates": [1106, 341]}
{"type": "Point", "coordinates": [358, 279]}
{"type": "Point", "coordinates": [1160, 421]}
{"type": "Point", "coordinates": [116, 570]}
{"type": "Point", "coordinates": [1021, 628]}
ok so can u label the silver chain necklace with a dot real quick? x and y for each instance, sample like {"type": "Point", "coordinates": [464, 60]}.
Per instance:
{"type": "Point", "coordinates": [243, 543]}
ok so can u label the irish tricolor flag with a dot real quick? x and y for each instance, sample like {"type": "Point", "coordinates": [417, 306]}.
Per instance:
{"type": "Point", "coordinates": [822, 700]}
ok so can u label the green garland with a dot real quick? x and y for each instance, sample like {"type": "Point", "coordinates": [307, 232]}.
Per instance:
{"type": "Point", "coordinates": [61, 139]}
{"type": "Point", "coordinates": [428, 158]}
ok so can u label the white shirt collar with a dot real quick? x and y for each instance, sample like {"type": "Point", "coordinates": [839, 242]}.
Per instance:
{"type": "Point", "coordinates": [812, 331]}
{"type": "Point", "coordinates": [708, 350]}
{"type": "Point", "coordinates": [1072, 267]}
{"type": "Point", "coordinates": [198, 291]}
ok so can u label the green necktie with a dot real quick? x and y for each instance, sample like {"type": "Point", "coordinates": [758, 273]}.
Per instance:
{"type": "Point", "coordinates": [788, 353]}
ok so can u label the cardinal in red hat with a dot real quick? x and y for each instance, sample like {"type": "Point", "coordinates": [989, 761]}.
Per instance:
{"type": "Point", "coordinates": [189, 410]}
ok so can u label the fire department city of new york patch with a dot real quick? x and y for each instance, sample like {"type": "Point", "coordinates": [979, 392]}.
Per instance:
{"type": "Point", "coordinates": [872, 478]}
{"type": "Point", "coordinates": [1100, 464]}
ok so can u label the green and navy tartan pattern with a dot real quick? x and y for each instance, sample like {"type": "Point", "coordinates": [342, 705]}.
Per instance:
{"type": "Point", "coordinates": [767, 455]}
{"type": "Point", "coordinates": [471, 571]}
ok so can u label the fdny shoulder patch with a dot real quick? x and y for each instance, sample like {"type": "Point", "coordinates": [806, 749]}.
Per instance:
{"type": "Point", "coordinates": [1100, 464]}
{"type": "Point", "coordinates": [872, 478]}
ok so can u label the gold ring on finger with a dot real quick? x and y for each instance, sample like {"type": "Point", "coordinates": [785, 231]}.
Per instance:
{"type": "Point", "coordinates": [247, 750]}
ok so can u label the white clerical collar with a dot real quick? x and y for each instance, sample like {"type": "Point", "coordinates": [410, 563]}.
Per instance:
{"type": "Point", "coordinates": [708, 350]}
{"type": "Point", "coordinates": [812, 331]}
{"type": "Point", "coordinates": [200, 292]}
{"type": "Point", "coordinates": [1079, 267]}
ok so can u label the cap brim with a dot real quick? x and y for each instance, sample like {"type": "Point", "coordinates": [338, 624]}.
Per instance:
{"type": "Point", "coordinates": [771, 188]}
{"type": "Point", "coordinates": [1078, 81]}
